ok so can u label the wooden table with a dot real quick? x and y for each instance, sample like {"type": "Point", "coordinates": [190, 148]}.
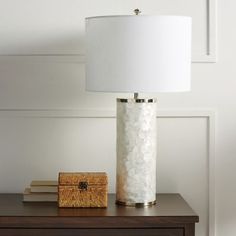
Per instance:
{"type": "Point", "coordinates": [172, 216]}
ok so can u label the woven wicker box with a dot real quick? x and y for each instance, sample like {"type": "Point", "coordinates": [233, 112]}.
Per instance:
{"type": "Point", "coordinates": [82, 189]}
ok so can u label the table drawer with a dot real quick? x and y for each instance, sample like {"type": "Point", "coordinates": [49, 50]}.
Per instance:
{"type": "Point", "coordinates": [93, 232]}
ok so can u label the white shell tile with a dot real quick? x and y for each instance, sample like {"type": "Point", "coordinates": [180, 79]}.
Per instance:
{"type": "Point", "coordinates": [136, 152]}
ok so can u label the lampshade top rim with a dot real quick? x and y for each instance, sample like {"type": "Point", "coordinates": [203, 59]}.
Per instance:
{"type": "Point", "coordinates": [146, 16]}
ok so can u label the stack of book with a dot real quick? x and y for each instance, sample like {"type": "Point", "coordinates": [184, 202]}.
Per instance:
{"type": "Point", "coordinates": [41, 191]}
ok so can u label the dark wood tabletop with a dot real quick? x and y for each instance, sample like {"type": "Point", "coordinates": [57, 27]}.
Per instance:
{"type": "Point", "coordinates": [171, 216]}
{"type": "Point", "coordinates": [169, 208]}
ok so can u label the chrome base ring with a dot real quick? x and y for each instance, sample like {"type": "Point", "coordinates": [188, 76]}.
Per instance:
{"type": "Point", "coordinates": [136, 204]}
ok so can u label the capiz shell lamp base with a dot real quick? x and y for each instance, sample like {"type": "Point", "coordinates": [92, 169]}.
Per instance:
{"type": "Point", "coordinates": [136, 152]}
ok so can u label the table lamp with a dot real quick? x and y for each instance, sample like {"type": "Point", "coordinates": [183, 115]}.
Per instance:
{"type": "Point", "coordinates": [137, 54]}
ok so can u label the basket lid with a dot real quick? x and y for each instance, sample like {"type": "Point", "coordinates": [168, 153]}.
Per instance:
{"type": "Point", "coordinates": [74, 178]}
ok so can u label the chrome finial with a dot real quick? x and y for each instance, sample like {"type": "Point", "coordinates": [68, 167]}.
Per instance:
{"type": "Point", "coordinates": [137, 11]}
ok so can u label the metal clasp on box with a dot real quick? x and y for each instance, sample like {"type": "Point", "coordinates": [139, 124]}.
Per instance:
{"type": "Point", "coordinates": [83, 185]}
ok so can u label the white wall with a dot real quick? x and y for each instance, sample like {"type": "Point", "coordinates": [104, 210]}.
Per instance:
{"type": "Point", "coordinates": [48, 123]}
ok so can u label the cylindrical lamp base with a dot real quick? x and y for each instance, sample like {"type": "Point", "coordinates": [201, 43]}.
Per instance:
{"type": "Point", "coordinates": [136, 152]}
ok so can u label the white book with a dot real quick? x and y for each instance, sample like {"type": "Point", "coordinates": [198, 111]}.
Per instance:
{"type": "Point", "coordinates": [43, 186]}
{"type": "Point", "coordinates": [39, 197]}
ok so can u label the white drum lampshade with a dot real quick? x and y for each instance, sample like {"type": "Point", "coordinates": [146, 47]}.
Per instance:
{"type": "Point", "coordinates": [138, 53]}
{"type": "Point", "coordinates": [135, 54]}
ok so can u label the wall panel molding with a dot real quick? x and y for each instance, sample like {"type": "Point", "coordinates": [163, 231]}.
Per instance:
{"type": "Point", "coordinates": [204, 57]}
{"type": "Point", "coordinates": [208, 114]}
{"type": "Point", "coordinates": [211, 52]}
{"type": "Point", "coordinates": [162, 113]}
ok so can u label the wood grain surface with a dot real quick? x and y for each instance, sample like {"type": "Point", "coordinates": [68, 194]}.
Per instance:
{"type": "Point", "coordinates": [172, 216]}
